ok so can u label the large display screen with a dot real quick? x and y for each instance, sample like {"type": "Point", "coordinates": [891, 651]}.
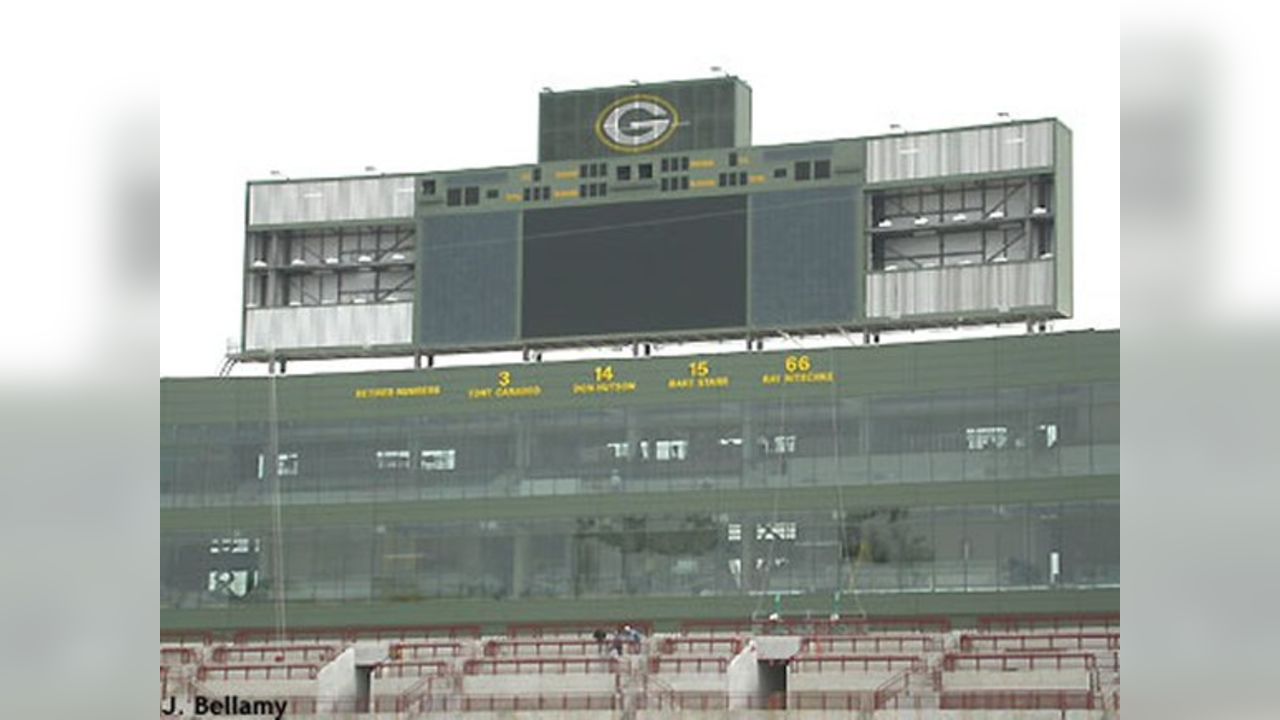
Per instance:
{"type": "Point", "coordinates": [632, 268]}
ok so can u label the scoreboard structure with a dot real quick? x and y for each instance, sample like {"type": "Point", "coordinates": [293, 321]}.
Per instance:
{"type": "Point", "coordinates": [650, 216]}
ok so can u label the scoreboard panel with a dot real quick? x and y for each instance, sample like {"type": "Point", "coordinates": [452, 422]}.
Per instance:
{"type": "Point", "coordinates": [664, 232]}
{"type": "Point", "coordinates": [638, 268]}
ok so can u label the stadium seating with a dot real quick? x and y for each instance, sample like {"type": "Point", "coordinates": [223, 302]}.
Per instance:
{"type": "Point", "coordinates": [1005, 668]}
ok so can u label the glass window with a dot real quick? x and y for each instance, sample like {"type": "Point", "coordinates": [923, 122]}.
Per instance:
{"type": "Point", "coordinates": [445, 459]}
{"type": "Point", "coordinates": [821, 169]}
{"type": "Point", "coordinates": [645, 170]}
{"type": "Point", "coordinates": [803, 168]}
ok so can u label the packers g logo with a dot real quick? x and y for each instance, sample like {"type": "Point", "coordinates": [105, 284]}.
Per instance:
{"type": "Point", "coordinates": [637, 123]}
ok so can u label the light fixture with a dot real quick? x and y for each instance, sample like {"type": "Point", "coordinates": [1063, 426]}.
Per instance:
{"type": "Point", "coordinates": [635, 82]}
{"type": "Point", "coordinates": [922, 220]}
{"type": "Point", "coordinates": [298, 261]}
{"type": "Point", "coordinates": [370, 168]}
{"type": "Point", "coordinates": [547, 89]}
{"type": "Point", "coordinates": [1039, 210]}
{"type": "Point", "coordinates": [996, 214]}
{"type": "Point", "coordinates": [331, 260]}
{"type": "Point", "coordinates": [1003, 116]}
{"type": "Point", "coordinates": [259, 263]}
{"type": "Point", "coordinates": [1046, 256]}
{"type": "Point", "coordinates": [364, 259]}
{"type": "Point", "coordinates": [397, 256]}
{"type": "Point", "coordinates": [885, 223]}
{"type": "Point", "coordinates": [959, 217]}
{"type": "Point", "coordinates": [1000, 259]}
{"type": "Point", "coordinates": [890, 268]}
{"type": "Point", "coordinates": [357, 301]}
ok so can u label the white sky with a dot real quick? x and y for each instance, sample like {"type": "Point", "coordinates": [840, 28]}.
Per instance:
{"type": "Point", "coordinates": [445, 86]}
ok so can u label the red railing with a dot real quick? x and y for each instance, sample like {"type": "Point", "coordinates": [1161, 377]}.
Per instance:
{"type": "Point", "coordinates": [349, 635]}
{"type": "Point", "coordinates": [573, 628]}
{"type": "Point", "coordinates": [818, 626]}
{"type": "Point", "coordinates": [1054, 642]}
{"type": "Point", "coordinates": [541, 666]}
{"type": "Point", "coordinates": [278, 671]}
{"type": "Point", "coordinates": [1006, 662]}
{"type": "Point", "coordinates": [539, 647]}
{"type": "Point", "coordinates": [1017, 700]}
{"type": "Point", "coordinates": [846, 700]}
{"type": "Point", "coordinates": [498, 703]}
{"type": "Point", "coordinates": [708, 645]}
{"type": "Point", "coordinates": [854, 644]}
{"type": "Point", "coordinates": [688, 664]}
{"type": "Point", "coordinates": [177, 656]}
{"type": "Point", "coordinates": [416, 650]}
{"type": "Point", "coordinates": [410, 668]}
{"type": "Point", "coordinates": [863, 663]}
{"type": "Point", "coordinates": [231, 654]}
{"type": "Point", "coordinates": [1077, 622]}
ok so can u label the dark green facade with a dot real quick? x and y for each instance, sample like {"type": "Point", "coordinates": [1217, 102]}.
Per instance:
{"type": "Point", "coordinates": [964, 477]}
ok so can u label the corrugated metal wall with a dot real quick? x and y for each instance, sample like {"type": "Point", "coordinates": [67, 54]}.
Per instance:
{"type": "Point", "coordinates": [960, 288]}
{"type": "Point", "coordinates": [1016, 146]}
{"type": "Point", "coordinates": [323, 200]}
{"type": "Point", "coordinates": [343, 325]}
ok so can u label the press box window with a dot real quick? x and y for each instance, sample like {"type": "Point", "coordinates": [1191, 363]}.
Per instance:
{"type": "Point", "coordinates": [286, 464]}
{"type": "Point", "coordinates": [454, 197]}
{"type": "Point", "coordinates": [439, 460]}
{"type": "Point", "coordinates": [537, 174]}
{"type": "Point", "coordinates": [733, 159]}
{"type": "Point", "coordinates": [821, 169]}
{"type": "Point", "coordinates": [392, 459]}
{"type": "Point", "coordinates": [491, 194]}
{"type": "Point", "coordinates": [803, 168]}
{"type": "Point", "coordinates": [428, 187]}
{"type": "Point", "coordinates": [624, 172]}
{"type": "Point", "coordinates": [666, 164]}
{"type": "Point", "coordinates": [780, 172]}
{"type": "Point", "coordinates": [645, 171]}
{"type": "Point", "coordinates": [471, 195]}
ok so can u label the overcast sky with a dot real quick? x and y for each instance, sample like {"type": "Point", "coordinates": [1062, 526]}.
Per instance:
{"type": "Point", "coordinates": [449, 86]}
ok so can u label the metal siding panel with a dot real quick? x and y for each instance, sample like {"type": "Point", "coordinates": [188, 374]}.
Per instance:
{"type": "Point", "coordinates": [333, 326]}
{"type": "Point", "coordinates": [331, 200]}
{"type": "Point", "coordinates": [960, 152]}
{"type": "Point", "coordinates": [961, 289]}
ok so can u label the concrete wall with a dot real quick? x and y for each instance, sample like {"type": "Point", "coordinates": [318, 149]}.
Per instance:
{"type": "Point", "coordinates": [337, 680]}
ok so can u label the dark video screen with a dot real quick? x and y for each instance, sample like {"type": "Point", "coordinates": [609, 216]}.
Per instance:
{"type": "Point", "coordinates": [648, 267]}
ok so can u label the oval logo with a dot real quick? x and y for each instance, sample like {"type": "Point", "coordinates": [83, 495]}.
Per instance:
{"type": "Point", "coordinates": [637, 123]}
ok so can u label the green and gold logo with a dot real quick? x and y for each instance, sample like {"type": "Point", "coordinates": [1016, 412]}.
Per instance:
{"type": "Point", "coordinates": [637, 123]}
